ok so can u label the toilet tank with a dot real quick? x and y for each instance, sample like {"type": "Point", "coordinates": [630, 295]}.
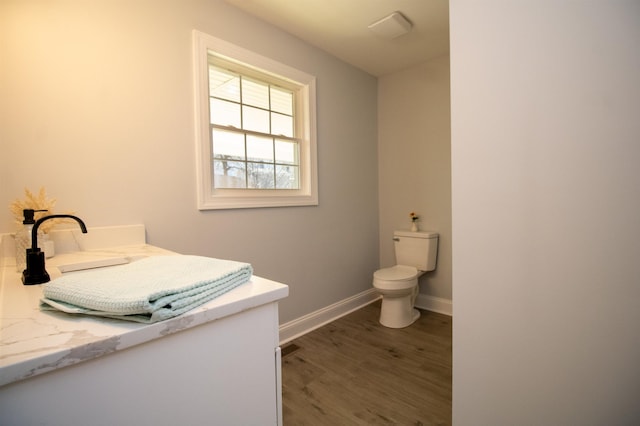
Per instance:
{"type": "Point", "coordinates": [417, 249]}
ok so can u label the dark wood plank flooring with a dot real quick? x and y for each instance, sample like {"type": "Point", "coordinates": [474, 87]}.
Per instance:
{"type": "Point", "coordinates": [354, 371]}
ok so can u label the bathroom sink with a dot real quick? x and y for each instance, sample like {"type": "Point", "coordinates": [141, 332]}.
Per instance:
{"type": "Point", "coordinates": [90, 264]}
{"type": "Point", "coordinates": [80, 261]}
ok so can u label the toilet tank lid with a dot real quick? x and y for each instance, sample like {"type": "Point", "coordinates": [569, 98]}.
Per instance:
{"type": "Point", "coordinates": [417, 234]}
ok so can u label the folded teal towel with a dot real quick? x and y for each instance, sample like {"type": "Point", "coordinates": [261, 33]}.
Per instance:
{"type": "Point", "coordinates": [148, 290]}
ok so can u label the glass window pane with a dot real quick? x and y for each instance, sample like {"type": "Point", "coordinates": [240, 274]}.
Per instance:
{"type": "Point", "coordinates": [286, 152]}
{"type": "Point", "coordinates": [281, 100]}
{"type": "Point", "coordinates": [255, 93]}
{"type": "Point", "coordinates": [227, 145]}
{"type": "Point", "coordinates": [260, 176]}
{"type": "Point", "coordinates": [281, 125]}
{"type": "Point", "coordinates": [255, 119]}
{"type": "Point", "coordinates": [247, 116]}
{"type": "Point", "coordinates": [229, 174]}
{"type": "Point", "coordinates": [225, 113]}
{"type": "Point", "coordinates": [224, 84]}
{"type": "Point", "coordinates": [287, 177]}
{"type": "Point", "coordinates": [259, 148]}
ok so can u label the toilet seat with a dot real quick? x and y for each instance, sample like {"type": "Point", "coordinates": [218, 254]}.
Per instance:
{"type": "Point", "coordinates": [395, 278]}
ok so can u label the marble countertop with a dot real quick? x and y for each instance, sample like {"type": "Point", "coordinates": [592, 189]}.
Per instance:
{"type": "Point", "coordinates": [33, 341]}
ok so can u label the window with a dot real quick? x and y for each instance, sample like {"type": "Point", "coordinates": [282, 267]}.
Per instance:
{"type": "Point", "coordinates": [255, 129]}
{"type": "Point", "coordinates": [252, 132]}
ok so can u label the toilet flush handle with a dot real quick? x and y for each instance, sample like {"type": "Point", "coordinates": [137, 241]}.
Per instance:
{"type": "Point", "coordinates": [396, 239]}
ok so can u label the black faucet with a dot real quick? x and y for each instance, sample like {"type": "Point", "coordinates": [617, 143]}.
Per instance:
{"type": "Point", "coordinates": [36, 272]}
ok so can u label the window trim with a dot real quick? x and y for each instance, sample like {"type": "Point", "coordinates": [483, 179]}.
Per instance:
{"type": "Point", "coordinates": [209, 198]}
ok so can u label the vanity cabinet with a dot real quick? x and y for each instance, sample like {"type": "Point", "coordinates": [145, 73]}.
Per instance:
{"type": "Point", "coordinates": [218, 364]}
{"type": "Point", "coordinates": [225, 372]}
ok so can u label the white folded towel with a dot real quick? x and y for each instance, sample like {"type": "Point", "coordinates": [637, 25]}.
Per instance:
{"type": "Point", "coordinates": [148, 290]}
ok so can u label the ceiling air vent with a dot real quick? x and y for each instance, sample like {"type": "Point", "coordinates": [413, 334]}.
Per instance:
{"type": "Point", "coordinates": [391, 26]}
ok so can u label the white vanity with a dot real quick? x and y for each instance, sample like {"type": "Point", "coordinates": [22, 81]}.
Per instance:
{"type": "Point", "coordinates": [218, 364]}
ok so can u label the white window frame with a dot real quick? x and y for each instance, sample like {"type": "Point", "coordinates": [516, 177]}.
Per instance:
{"type": "Point", "coordinates": [210, 198]}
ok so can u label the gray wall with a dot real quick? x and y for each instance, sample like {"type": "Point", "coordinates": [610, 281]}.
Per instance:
{"type": "Point", "coordinates": [414, 156]}
{"type": "Point", "coordinates": [97, 106]}
{"type": "Point", "coordinates": [546, 208]}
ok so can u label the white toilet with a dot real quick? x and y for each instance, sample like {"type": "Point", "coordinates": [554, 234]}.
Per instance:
{"type": "Point", "coordinates": [416, 254]}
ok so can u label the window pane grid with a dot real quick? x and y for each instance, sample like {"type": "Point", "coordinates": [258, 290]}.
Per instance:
{"type": "Point", "coordinates": [253, 96]}
{"type": "Point", "coordinates": [253, 160]}
{"type": "Point", "coordinates": [252, 133]}
{"type": "Point", "coordinates": [226, 144]}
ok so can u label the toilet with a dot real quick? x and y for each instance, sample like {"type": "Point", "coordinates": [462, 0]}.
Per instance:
{"type": "Point", "coordinates": [416, 254]}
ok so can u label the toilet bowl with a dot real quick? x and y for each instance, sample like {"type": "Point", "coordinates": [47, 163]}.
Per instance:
{"type": "Point", "coordinates": [416, 253]}
{"type": "Point", "coordinates": [398, 286]}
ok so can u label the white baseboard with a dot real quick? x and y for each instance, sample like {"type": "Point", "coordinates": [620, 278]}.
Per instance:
{"type": "Point", "coordinates": [435, 304]}
{"type": "Point", "coordinates": [303, 325]}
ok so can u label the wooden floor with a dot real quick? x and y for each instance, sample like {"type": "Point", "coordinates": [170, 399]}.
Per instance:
{"type": "Point", "coordinates": [354, 371]}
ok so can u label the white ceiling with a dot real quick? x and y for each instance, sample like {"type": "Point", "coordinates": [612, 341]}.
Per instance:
{"type": "Point", "coordinates": [340, 28]}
